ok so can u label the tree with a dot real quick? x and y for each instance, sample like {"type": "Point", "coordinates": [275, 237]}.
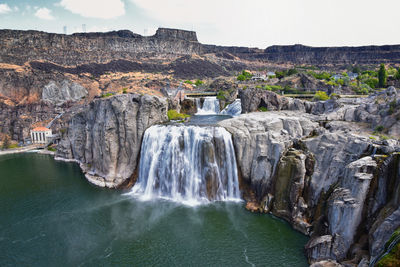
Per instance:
{"type": "Point", "coordinates": [356, 69]}
{"type": "Point", "coordinates": [382, 76]}
{"type": "Point", "coordinates": [320, 96]}
{"type": "Point", "coordinates": [397, 75]}
{"type": "Point", "coordinates": [6, 142]}
{"type": "Point", "coordinates": [292, 72]}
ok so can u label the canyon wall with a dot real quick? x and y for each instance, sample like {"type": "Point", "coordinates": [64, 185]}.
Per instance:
{"type": "Point", "coordinates": [105, 137]}
{"type": "Point", "coordinates": [320, 168]}
{"type": "Point", "coordinates": [19, 47]}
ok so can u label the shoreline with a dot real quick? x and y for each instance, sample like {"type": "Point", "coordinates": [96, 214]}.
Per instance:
{"type": "Point", "coordinates": [34, 149]}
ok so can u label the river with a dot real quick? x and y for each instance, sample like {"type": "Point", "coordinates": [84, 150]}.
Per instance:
{"type": "Point", "coordinates": [51, 216]}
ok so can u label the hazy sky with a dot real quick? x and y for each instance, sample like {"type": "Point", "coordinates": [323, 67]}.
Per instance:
{"type": "Point", "coordinates": [255, 23]}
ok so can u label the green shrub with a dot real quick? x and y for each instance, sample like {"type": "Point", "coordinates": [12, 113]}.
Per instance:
{"type": "Point", "coordinates": [106, 95]}
{"type": "Point", "coordinates": [292, 72]}
{"type": "Point", "coordinates": [321, 76]}
{"type": "Point", "coordinates": [245, 75]}
{"type": "Point", "coordinates": [241, 77]}
{"type": "Point", "coordinates": [51, 149]}
{"type": "Point", "coordinates": [199, 82]}
{"type": "Point", "coordinates": [379, 128]}
{"type": "Point", "coordinates": [372, 82]}
{"type": "Point", "coordinates": [175, 115]}
{"type": "Point", "coordinates": [124, 90]}
{"type": "Point", "coordinates": [188, 82]}
{"type": "Point", "coordinates": [222, 95]}
{"type": "Point", "coordinates": [263, 109]}
{"type": "Point", "coordinates": [280, 74]}
{"type": "Point", "coordinates": [320, 96]}
{"type": "Point", "coordinates": [397, 75]}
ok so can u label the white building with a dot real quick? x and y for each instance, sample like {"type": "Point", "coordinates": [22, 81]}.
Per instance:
{"type": "Point", "coordinates": [40, 135]}
{"type": "Point", "coordinates": [259, 77]}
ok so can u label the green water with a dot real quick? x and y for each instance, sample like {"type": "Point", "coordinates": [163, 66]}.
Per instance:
{"type": "Point", "coordinates": [51, 216]}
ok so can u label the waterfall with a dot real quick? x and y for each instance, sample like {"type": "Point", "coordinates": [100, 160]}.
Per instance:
{"type": "Point", "coordinates": [188, 164]}
{"type": "Point", "coordinates": [210, 106]}
{"type": "Point", "coordinates": [233, 109]}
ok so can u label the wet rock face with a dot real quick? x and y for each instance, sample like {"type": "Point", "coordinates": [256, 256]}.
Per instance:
{"type": "Point", "coordinates": [106, 137]}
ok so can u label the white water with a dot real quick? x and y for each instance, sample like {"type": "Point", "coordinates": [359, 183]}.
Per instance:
{"type": "Point", "coordinates": [211, 107]}
{"type": "Point", "coordinates": [233, 109]}
{"type": "Point", "coordinates": [187, 164]}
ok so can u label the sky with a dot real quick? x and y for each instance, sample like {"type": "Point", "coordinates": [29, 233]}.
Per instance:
{"type": "Point", "coordinates": [252, 23]}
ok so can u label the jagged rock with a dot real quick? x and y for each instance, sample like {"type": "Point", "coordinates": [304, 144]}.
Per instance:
{"type": "Point", "coordinates": [254, 99]}
{"type": "Point", "coordinates": [59, 93]}
{"type": "Point", "coordinates": [333, 151]}
{"type": "Point", "coordinates": [106, 137]}
{"type": "Point", "coordinates": [290, 181]}
{"type": "Point", "coordinates": [260, 139]}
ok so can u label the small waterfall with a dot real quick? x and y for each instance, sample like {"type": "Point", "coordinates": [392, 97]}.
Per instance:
{"type": "Point", "coordinates": [233, 109]}
{"type": "Point", "coordinates": [210, 106]}
{"type": "Point", "coordinates": [188, 164]}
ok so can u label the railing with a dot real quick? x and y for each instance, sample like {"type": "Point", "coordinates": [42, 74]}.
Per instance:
{"type": "Point", "coordinates": [200, 94]}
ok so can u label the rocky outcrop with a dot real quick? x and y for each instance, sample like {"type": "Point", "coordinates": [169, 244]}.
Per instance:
{"type": "Point", "coordinates": [378, 110]}
{"type": "Point", "coordinates": [260, 139]}
{"type": "Point", "coordinates": [105, 137]}
{"type": "Point", "coordinates": [320, 170]}
{"type": "Point", "coordinates": [59, 93]}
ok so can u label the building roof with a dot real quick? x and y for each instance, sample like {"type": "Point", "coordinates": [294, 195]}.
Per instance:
{"type": "Point", "coordinates": [41, 129]}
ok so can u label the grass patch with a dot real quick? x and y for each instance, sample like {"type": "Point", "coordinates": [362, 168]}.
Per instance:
{"type": "Point", "coordinates": [175, 115]}
{"type": "Point", "coordinates": [106, 95]}
{"type": "Point", "coordinates": [263, 109]}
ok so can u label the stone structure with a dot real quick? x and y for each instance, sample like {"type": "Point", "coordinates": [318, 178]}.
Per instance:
{"type": "Point", "coordinates": [40, 135]}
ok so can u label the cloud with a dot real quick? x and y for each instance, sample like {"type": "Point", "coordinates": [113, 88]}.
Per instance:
{"type": "Point", "coordinates": [44, 13]}
{"type": "Point", "coordinates": [267, 22]}
{"type": "Point", "coordinates": [4, 9]}
{"type": "Point", "coordinates": [104, 9]}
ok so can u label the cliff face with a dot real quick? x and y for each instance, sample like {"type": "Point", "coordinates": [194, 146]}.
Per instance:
{"type": "Point", "coordinates": [105, 137]}
{"type": "Point", "coordinates": [322, 172]}
{"type": "Point", "coordinates": [18, 47]}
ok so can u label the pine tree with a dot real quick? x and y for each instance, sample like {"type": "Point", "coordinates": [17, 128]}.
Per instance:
{"type": "Point", "coordinates": [6, 142]}
{"type": "Point", "coordinates": [382, 76]}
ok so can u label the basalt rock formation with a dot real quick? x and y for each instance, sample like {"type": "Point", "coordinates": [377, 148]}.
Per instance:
{"type": "Point", "coordinates": [322, 172]}
{"type": "Point", "coordinates": [316, 167]}
{"type": "Point", "coordinates": [105, 137]}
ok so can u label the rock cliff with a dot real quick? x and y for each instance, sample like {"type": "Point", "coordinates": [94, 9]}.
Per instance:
{"type": "Point", "coordinates": [18, 47]}
{"type": "Point", "coordinates": [105, 137]}
{"type": "Point", "coordinates": [321, 171]}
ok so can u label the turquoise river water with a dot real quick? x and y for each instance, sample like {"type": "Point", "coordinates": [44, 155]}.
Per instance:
{"type": "Point", "coordinates": [51, 216]}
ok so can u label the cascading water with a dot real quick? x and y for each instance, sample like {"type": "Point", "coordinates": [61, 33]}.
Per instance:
{"type": "Point", "coordinates": [188, 164]}
{"type": "Point", "coordinates": [233, 109]}
{"type": "Point", "coordinates": [210, 106]}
